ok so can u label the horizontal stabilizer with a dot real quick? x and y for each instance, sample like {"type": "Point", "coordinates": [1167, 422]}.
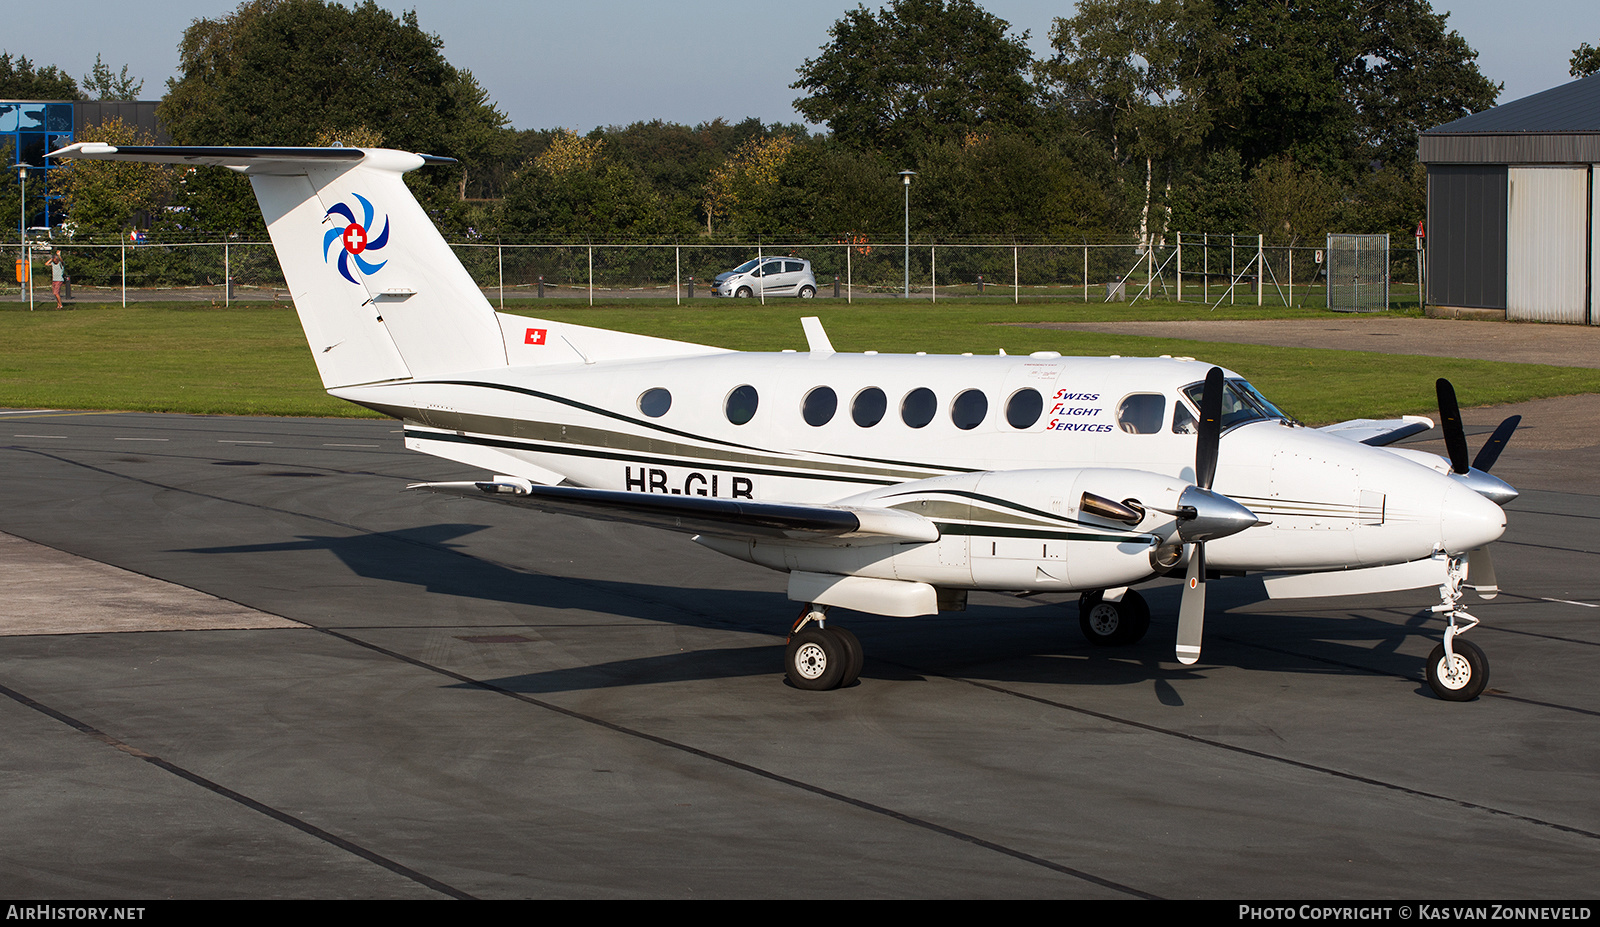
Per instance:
{"type": "Point", "coordinates": [729, 518]}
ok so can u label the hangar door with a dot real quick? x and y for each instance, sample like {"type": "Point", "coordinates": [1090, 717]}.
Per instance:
{"type": "Point", "coordinates": [1547, 244]}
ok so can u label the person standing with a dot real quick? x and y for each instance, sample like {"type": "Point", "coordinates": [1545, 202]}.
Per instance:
{"type": "Point", "coordinates": [58, 275]}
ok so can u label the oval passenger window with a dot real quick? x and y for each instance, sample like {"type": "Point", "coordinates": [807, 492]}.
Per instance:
{"type": "Point", "coordinates": [969, 409]}
{"type": "Point", "coordinates": [919, 407]}
{"type": "Point", "coordinates": [819, 406]}
{"type": "Point", "coordinates": [868, 407]}
{"type": "Point", "coordinates": [655, 402]}
{"type": "Point", "coordinates": [741, 404]}
{"type": "Point", "coordinates": [1024, 408]}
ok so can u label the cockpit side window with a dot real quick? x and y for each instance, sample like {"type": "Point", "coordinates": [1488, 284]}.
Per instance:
{"type": "Point", "coordinates": [1142, 413]}
{"type": "Point", "coordinates": [1183, 422]}
{"type": "Point", "coordinates": [1240, 403]}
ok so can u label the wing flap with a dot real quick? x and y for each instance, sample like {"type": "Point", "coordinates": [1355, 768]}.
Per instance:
{"type": "Point", "coordinates": [729, 518]}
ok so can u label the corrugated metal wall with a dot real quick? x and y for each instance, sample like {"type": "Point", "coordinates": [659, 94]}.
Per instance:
{"type": "Point", "coordinates": [1467, 235]}
{"type": "Point", "coordinates": [1547, 244]}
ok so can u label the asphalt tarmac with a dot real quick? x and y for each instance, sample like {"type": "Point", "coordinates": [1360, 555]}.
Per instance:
{"type": "Point", "coordinates": [241, 662]}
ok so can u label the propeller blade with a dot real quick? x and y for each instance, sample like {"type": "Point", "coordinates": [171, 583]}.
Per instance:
{"type": "Point", "coordinates": [1192, 609]}
{"type": "Point", "coordinates": [1490, 452]}
{"type": "Point", "coordinates": [1480, 573]}
{"type": "Point", "coordinates": [1455, 435]}
{"type": "Point", "coordinates": [1210, 428]}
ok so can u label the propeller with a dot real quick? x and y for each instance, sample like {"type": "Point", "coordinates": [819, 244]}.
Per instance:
{"type": "Point", "coordinates": [1455, 434]}
{"type": "Point", "coordinates": [1480, 567]}
{"type": "Point", "coordinates": [1202, 516]}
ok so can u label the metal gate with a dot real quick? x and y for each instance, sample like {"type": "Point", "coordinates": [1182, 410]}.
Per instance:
{"type": "Point", "coordinates": [1358, 273]}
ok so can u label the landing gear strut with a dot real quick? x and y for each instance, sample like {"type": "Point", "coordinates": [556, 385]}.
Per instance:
{"type": "Point", "coordinates": [1457, 670]}
{"type": "Point", "coordinates": [1110, 623]}
{"type": "Point", "coordinates": [820, 656]}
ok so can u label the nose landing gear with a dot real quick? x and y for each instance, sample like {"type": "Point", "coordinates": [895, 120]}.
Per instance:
{"type": "Point", "coordinates": [1457, 669]}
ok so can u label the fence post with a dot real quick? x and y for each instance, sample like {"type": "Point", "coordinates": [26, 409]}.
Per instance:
{"type": "Point", "coordinates": [933, 271]}
{"type": "Point", "coordinates": [500, 260]}
{"type": "Point", "coordinates": [227, 276]}
{"type": "Point", "coordinates": [591, 275]}
{"type": "Point", "coordinates": [124, 275]}
{"type": "Point", "coordinates": [1180, 267]}
{"type": "Point", "coordinates": [1085, 271]}
{"type": "Point", "coordinates": [1261, 270]}
{"type": "Point", "coordinates": [677, 272]}
{"type": "Point", "coordinates": [1016, 278]}
{"type": "Point", "coordinates": [849, 280]}
{"type": "Point", "coordinates": [1291, 276]}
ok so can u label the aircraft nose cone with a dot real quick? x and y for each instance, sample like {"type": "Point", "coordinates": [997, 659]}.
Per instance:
{"type": "Point", "coordinates": [1468, 520]}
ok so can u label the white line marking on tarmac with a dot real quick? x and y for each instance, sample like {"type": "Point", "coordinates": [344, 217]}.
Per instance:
{"type": "Point", "coordinates": [350, 445]}
{"type": "Point", "coordinates": [226, 441]}
{"type": "Point", "coordinates": [141, 439]}
{"type": "Point", "coordinates": [38, 436]}
{"type": "Point", "coordinates": [1569, 602]}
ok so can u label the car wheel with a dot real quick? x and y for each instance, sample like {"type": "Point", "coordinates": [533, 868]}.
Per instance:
{"type": "Point", "coordinates": [743, 293]}
{"type": "Point", "coordinates": [806, 292]}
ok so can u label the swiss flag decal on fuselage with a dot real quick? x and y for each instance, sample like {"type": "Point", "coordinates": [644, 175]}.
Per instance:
{"type": "Point", "coordinates": [534, 336]}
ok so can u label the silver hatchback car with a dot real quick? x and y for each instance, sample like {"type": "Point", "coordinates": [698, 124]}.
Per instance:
{"type": "Point", "coordinates": [773, 276]}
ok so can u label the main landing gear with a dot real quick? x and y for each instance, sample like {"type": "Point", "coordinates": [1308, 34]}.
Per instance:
{"type": "Point", "coordinates": [1457, 669]}
{"type": "Point", "coordinates": [1113, 621]}
{"type": "Point", "coordinates": [821, 656]}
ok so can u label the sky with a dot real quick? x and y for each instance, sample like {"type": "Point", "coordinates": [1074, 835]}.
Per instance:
{"type": "Point", "coordinates": [579, 65]}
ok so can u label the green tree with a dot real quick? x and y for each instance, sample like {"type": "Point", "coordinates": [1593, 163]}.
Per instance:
{"type": "Point", "coordinates": [1282, 85]}
{"type": "Point", "coordinates": [278, 72]}
{"type": "Point", "coordinates": [918, 71]}
{"type": "Point", "coordinates": [574, 192]}
{"type": "Point", "coordinates": [20, 80]}
{"type": "Point", "coordinates": [1293, 204]}
{"type": "Point", "coordinates": [1214, 196]}
{"type": "Point", "coordinates": [1585, 60]}
{"type": "Point", "coordinates": [109, 196]}
{"type": "Point", "coordinates": [1413, 73]}
{"type": "Point", "coordinates": [1132, 72]}
{"type": "Point", "coordinates": [105, 84]}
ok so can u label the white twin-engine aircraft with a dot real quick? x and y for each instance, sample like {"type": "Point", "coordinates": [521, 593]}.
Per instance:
{"type": "Point", "coordinates": [889, 484]}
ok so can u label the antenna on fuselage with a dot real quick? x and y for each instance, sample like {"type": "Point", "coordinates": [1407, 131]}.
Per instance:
{"type": "Point", "coordinates": [816, 339]}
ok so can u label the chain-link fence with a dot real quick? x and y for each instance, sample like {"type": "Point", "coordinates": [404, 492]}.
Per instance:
{"type": "Point", "coordinates": [1210, 269]}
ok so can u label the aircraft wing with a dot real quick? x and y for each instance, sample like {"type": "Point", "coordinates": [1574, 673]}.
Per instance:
{"type": "Point", "coordinates": [1380, 432]}
{"type": "Point", "coordinates": [730, 518]}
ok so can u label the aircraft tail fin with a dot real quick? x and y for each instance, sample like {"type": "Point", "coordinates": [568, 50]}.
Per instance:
{"type": "Point", "coordinates": [380, 294]}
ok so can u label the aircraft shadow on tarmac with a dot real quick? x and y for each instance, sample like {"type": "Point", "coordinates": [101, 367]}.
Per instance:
{"type": "Point", "coordinates": [1036, 643]}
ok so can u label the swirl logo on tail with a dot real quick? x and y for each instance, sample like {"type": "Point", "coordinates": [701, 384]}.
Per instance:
{"type": "Point", "coordinates": [355, 238]}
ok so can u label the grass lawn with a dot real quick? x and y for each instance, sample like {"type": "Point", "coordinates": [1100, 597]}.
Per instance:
{"type": "Point", "coordinates": [252, 359]}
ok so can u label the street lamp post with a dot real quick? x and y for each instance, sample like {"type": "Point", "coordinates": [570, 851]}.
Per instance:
{"type": "Point", "coordinates": [22, 231]}
{"type": "Point", "coordinates": [906, 176]}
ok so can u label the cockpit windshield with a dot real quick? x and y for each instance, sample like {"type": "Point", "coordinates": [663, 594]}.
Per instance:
{"type": "Point", "coordinates": [1241, 402]}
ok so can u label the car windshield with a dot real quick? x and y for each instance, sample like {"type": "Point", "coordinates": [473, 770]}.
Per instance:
{"type": "Point", "coordinates": [746, 267]}
{"type": "Point", "coordinates": [1241, 402]}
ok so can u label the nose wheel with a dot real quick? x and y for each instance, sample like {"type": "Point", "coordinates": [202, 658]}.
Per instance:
{"type": "Point", "coordinates": [821, 656]}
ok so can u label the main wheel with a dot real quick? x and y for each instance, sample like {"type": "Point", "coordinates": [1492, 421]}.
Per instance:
{"type": "Point", "coordinates": [852, 648]}
{"type": "Point", "coordinates": [806, 292]}
{"type": "Point", "coordinates": [1461, 679]}
{"type": "Point", "coordinates": [816, 659]}
{"type": "Point", "coordinates": [743, 293]}
{"type": "Point", "coordinates": [1113, 624]}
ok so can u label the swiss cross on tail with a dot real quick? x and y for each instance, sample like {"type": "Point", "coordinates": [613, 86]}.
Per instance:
{"type": "Point", "coordinates": [355, 237]}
